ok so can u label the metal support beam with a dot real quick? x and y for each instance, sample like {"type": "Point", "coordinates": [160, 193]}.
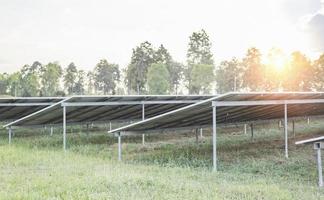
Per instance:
{"type": "Point", "coordinates": [9, 134]}
{"type": "Point", "coordinates": [252, 133]}
{"type": "Point", "coordinates": [119, 148]}
{"type": "Point", "coordinates": [214, 140]}
{"type": "Point", "coordinates": [286, 130]}
{"type": "Point", "coordinates": [109, 126]}
{"type": "Point", "coordinates": [245, 129]}
{"type": "Point", "coordinates": [201, 133]}
{"type": "Point", "coordinates": [52, 130]}
{"type": "Point", "coordinates": [266, 102]}
{"type": "Point", "coordinates": [196, 134]}
{"type": "Point", "coordinates": [293, 128]}
{"type": "Point", "coordinates": [143, 118]}
{"type": "Point", "coordinates": [64, 128]}
{"type": "Point", "coordinates": [109, 103]}
{"type": "Point", "coordinates": [319, 167]}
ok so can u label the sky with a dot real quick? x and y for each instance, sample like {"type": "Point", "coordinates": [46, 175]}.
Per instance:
{"type": "Point", "coordinates": [84, 32]}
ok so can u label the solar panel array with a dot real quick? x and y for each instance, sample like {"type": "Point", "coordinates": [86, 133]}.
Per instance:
{"type": "Point", "coordinates": [107, 108]}
{"type": "Point", "coordinates": [12, 108]}
{"type": "Point", "coordinates": [200, 114]}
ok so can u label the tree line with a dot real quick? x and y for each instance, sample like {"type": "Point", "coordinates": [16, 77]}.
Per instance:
{"type": "Point", "coordinates": [154, 71]}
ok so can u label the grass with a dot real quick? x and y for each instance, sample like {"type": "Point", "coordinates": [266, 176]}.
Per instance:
{"type": "Point", "coordinates": [169, 166]}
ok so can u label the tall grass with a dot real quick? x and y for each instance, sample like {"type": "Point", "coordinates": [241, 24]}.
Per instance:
{"type": "Point", "coordinates": [169, 166]}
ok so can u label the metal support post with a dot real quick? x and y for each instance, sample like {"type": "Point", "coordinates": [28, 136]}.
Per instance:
{"type": "Point", "coordinates": [87, 131]}
{"type": "Point", "coordinates": [293, 128]}
{"type": "Point", "coordinates": [201, 133]}
{"type": "Point", "coordinates": [9, 134]}
{"type": "Point", "coordinates": [196, 133]}
{"type": "Point", "coordinates": [319, 168]}
{"type": "Point", "coordinates": [214, 140]}
{"type": "Point", "coordinates": [119, 148]}
{"type": "Point", "coordinates": [109, 126]}
{"type": "Point", "coordinates": [143, 118]}
{"type": "Point", "coordinates": [64, 128]}
{"type": "Point", "coordinates": [252, 133]}
{"type": "Point", "coordinates": [245, 129]}
{"type": "Point", "coordinates": [308, 120]}
{"type": "Point", "coordinates": [286, 130]}
{"type": "Point", "coordinates": [51, 132]}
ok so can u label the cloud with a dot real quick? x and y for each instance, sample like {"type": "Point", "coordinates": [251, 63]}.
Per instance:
{"type": "Point", "coordinates": [315, 28]}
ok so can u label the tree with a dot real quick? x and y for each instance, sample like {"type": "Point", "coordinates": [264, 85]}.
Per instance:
{"type": "Point", "coordinates": [202, 78]}
{"type": "Point", "coordinates": [319, 73]}
{"type": "Point", "coordinates": [106, 76]}
{"type": "Point", "coordinates": [175, 69]}
{"type": "Point", "coordinates": [136, 72]}
{"type": "Point", "coordinates": [176, 73]}
{"type": "Point", "coordinates": [79, 85]}
{"type": "Point", "coordinates": [3, 83]}
{"type": "Point", "coordinates": [229, 76]}
{"type": "Point", "coordinates": [69, 78]}
{"type": "Point", "coordinates": [29, 78]}
{"type": "Point", "coordinates": [299, 74]}
{"type": "Point", "coordinates": [273, 70]}
{"type": "Point", "coordinates": [157, 79]}
{"type": "Point", "coordinates": [50, 78]}
{"type": "Point", "coordinates": [14, 84]}
{"type": "Point", "coordinates": [199, 52]}
{"type": "Point", "coordinates": [90, 83]}
{"type": "Point", "coordinates": [252, 77]}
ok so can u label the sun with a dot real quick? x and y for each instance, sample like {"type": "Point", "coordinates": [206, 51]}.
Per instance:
{"type": "Point", "coordinates": [278, 63]}
{"type": "Point", "coordinates": [276, 59]}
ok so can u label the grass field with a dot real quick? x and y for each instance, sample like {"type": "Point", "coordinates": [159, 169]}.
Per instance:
{"type": "Point", "coordinates": [168, 167]}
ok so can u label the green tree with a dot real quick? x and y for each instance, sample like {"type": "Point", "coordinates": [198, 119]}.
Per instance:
{"type": "Point", "coordinates": [69, 78]}
{"type": "Point", "coordinates": [299, 74]}
{"type": "Point", "coordinates": [202, 78]}
{"type": "Point", "coordinates": [14, 84]}
{"type": "Point", "coordinates": [106, 77]}
{"type": "Point", "coordinates": [50, 78]}
{"type": "Point", "coordinates": [29, 78]}
{"type": "Point", "coordinates": [319, 73]}
{"type": "Point", "coordinates": [136, 72]}
{"type": "Point", "coordinates": [229, 76]}
{"type": "Point", "coordinates": [3, 83]}
{"type": "Point", "coordinates": [253, 70]}
{"type": "Point", "coordinates": [90, 83]}
{"type": "Point", "coordinates": [157, 79]}
{"type": "Point", "coordinates": [80, 83]}
{"type": "Point", "coordinates": [175, 69]}
{"type": "Point", "coordinates": [273, 71]}
{"type": "Point", "coordinates": [199, 52]}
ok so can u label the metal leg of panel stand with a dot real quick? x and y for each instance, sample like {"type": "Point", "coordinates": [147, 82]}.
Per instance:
{"type": "Point", "coordinates": [319, 168]}
{"type": "Point", "coordinates": [196, 134]}
{"type": "Point", "coordinates": [201, 133]}
{"type": "Point", "coordinates": [52, 130]}
{"type": "Point", "coordinates": [252, 132]}
{"type": "Point", "coordinates": [286, 130]}
{"type": "Point", "coordinates": [214, 140]}
{"type": "Point", "coordinates": [119, 147]}
{"type": "Point", "coordinates": [245, 127]}
{"type": "Point", "coordinates": [293, 128]}
{"type": "Point", "coordinates": [9, 134]}
{"type": "Point", "coordinates": [64, 128]}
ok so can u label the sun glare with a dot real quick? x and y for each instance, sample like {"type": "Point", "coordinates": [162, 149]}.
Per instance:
{"type": "Point", "coordinates": [276, 60]}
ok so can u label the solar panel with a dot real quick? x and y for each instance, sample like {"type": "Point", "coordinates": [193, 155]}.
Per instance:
{"type": "Point", "coordinates": [12, 108]}
{"type": "Point", "coordinates": [106, 108]}
{"type": "Point", "coordinates": [234, 108]}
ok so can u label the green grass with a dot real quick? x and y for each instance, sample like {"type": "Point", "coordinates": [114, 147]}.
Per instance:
{"type": "Point", "coordinates": [169, 166]}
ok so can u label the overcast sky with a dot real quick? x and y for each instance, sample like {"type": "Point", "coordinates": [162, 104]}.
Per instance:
{"type": "Point", "coordinates": [86, 31]}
